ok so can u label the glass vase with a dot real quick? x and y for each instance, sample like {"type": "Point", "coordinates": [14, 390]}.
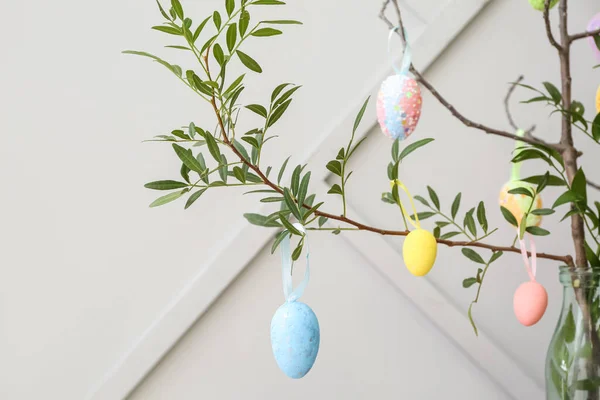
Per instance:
{"type": "Point", "coordinates": [573, 359]}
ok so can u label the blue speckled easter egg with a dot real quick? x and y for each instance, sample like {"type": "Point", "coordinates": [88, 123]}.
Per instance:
{"type": "Point", "coordinates": [295, 338]}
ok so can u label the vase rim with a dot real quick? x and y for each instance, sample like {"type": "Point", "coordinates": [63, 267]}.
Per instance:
{"type": "Point", "coordinates": [579, 277]}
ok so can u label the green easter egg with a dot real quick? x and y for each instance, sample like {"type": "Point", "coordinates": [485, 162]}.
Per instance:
{"type": "Point", "coordinates": [539, 4]}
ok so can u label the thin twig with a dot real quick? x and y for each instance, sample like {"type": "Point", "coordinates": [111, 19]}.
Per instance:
{"type": "Point", "coordinates": [593, 185]}
{"type": "Point", "coordinates": [528, 138]}
{"type": "Point", "coordinates": [584, 35]}
{"type": "Point", "coordinates": [551, 38]}
{"type": "Point", "coordinates": [511, 90]}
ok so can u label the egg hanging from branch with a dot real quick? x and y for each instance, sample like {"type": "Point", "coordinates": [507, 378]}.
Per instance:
{"type": "Point", "coordinates": [399, 104]}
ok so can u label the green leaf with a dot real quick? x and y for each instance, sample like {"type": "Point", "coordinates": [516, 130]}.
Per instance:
{"type": "Point", "coordinates": [422, 200]}
{"type": "Point", "coordinates": [434, 197]}
{"type": "Point", "coordinates": [568, 328]}
{"type": "Point", "coordinates": [231, 36]}
{"type": "Point", "coordinates": [165, 185]}
{"type": "Point", "coordinates": [530, 154]}
{"type": "Point", "coordinates": [566, 197]}
{"type": "Point", "coordinates": [168, 29]}
{"type": "Point", "coordinates": [187, 158]}
{"type": "Point", "coordinates": [469, 222]}
{"type": "Point", "coordinates": [481, 217]}
{"type": "Point", "coordinates": [271, 200]}
{"type": "Point", "coordinates": [264, 32]}
{"type": "Point", "coordinates": [456, 205]}
{"type": "Point", "coordinates": [239, 174]}
{"type": "Point", "coordinates": [213, 147]}
{"type": "Point", "coordinates": [536, 99]}
{"type": "Point", "coordinates": [303, 188]}
{"type": "Point", "coordinates": [167, 199]}
{"type": "Point", "coordinates": [495, 256]}
{"type": "Point", "coordinates": [467, 283]}
{"type": "Point", "coordinates": [251, 141]}
{"type": "Point", "coordinates": [521, 190]}
{"type": "Point", "coordinates": [185, 173]}
{"type": "Point", "coordinates": [543, 211]}
{"type": "Point", "coordinates": [295, 182]}
{"type": "Point", "coordinates": [552, 180]}
{"type": "Point", "coordinates": [596, 128]}
{"type": "Point", "coordinates": [229, 6]}
{"type": "Point", "coordinates": [234, 85]}
{"type": "Point", "coordinates": [423, 215]}
{"type": "Point", "coordinates": [217, 19]}
{"type": "Point", "coordinates": [335, 167]}
{"type": "Point", "coordinates": [597, 41]}
{"type": "Point", "coordinates": [537, 231]}
{"type": "Point", "coordinates": [195, 196]}
{"type": "Point", "coordinates": [199, 29]}
{"type": "Point", "coordinates": [553, 92]}
{"type": "Point", "coordinates": [278, 112]}
{"type": "Point", "coordinates": [335, 189]}
{"type": "Point", "coordinates": [261, 220]}
{"type": "Point", "coordinates": [414, 146]}
{"type": "Point", "coordinates": [449, 235]}
{"type": "Point", "coordinates": [258, 109]}
{"type": "Point", "coordinates": [471, 319]}
{"type": "Point", "coordinates": [244, 21]}
{"type": "Point", "coordinates": [223, 168]}
{"type": "Point", "coordinates": [472, 255]}
{"type": "Point", "coordinates": [241, 149]}
{"type": "Point", "coordinates": [360, 115]}
{"type": "Point", "coordinates": [288, 225]}
{"type": "Point", "coordinates": [522, 226]}
{"type": "Point", "coordinates": [283, 22]}
{"type": "Point", "coordinates": [281, 171]}
{"type": "Point", "coordinates": [361, 141]}
{"type": "Point", "coordinates": [177, 7]}
{"type": "Point", "coordinates": [278, 90]}
{"type": "Point", "coordinates": [297, 251]}
{"type": "Point", "coordinates": [173, 68]}
{"type": "Point", "coordinates": [249, 62]}
{"type": "Point", "coordinates": [508, 216]}
{"type": "Point", "coordinates": [218, 53]}
{"type": "Point", "coordinates": [437, 231]}
{"type": "Point", "coordinates": [286, 96]}
{"type": "Point", "coordinates": [268, 3]}
{"type": "Point", "coordinates": [591, 256]}
{"type": "Point", "coordinates": [291, 204]}
{"type": "Point", "coordinates": [396, 150]}
{"type": "Point", "coordinates": [278, 239]}
{"type": "Point", "coordinates": [322, 221]}
{"type": "Point", "coordinates": [162, 11]}
{"type": "Point", "coordinates": [579, 185]}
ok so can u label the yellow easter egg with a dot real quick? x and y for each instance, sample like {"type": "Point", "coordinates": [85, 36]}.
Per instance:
{"type": "Point", "coordinates": [598, 100]}
{"type": "Point", "coordinates": [518, 204]}
{"type": "Point", "coordinates": [419, 252]}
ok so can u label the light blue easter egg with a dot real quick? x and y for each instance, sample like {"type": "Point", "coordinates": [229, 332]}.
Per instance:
{"type": "Point", "coordinates": [295, 338]}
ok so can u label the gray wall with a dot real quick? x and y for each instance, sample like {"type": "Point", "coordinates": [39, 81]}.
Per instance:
{"type": "Point", "coordinates": [85, 266]}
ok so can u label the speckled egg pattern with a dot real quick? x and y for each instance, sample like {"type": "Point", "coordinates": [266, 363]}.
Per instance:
{"type": "Point", "coordinates": [399, 106]}
{"type": "Point", "coordinates": [295, 338]}
{"type": "Point", "coordinates": [518, 204]}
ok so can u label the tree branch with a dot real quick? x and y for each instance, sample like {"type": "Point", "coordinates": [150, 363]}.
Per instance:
{"type": "Point", "coordinates": [551, 38]}
{"type": "Point", "coordinates": [584, 35]}
{"type": "Point", "coordinates": [593, 185]}
{"type": "Point", "coordinates": [511, 90]}
{"type": "Point", "coordinates": [570, 153]}
{"type": "Point", "coordinates": [528, 138]}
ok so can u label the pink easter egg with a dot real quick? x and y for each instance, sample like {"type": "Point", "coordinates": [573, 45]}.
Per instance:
{"type": "Point", "coordinates": [530, 302]}
{"type": "Point", "coordinates": [399, 105]}
{"type": "Point", "coordinates": [592, 26]}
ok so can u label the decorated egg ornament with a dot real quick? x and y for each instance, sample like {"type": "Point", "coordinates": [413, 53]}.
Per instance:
{"type": "Point", "coordinates": [539, 4]}
{"type": "Point", "coordinates": [419, 250]}
{"type": "Point", "coordinates": [598, 100]}
{"type": "Point", "coordinates": [399, 101]}
{"type": "Point", "coordinates": [295, 332]}
{"type": "Point", "coordinates": [531, 299]}
{"type": "Point", "coordinates": [592, 26]}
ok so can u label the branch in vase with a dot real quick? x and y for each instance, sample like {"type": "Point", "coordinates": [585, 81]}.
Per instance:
{"type": "Point", "coordinates": [528, 138]}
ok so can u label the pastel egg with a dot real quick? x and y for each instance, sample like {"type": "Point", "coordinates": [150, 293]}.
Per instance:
{"type": "Point", "coordinates": [598, 100]}
{"type": "Point", "coordinates": [295, 338]}
{"type": "Point", "coordinates": [518, 204]}
{"type": "Point", "coordinates": [530, 302]}
{"type": "Point", "coordinates": [539, 4]}
{"type": "Point", "coordinates": [419, 252]}
{"type": "Point", "coordinates": [592, 26]}
{"type": "Point", "coordinates": [399, 104]}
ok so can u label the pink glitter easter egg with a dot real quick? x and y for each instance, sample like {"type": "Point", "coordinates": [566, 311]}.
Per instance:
{"type": "Point", "coordinates": [592, 26]}
{"type": "Point", "coordinates": [399, 106]}
{"type": "Point", "coordinates": [530, 302]}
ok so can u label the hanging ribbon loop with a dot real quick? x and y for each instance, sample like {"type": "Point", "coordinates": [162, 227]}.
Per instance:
{"type": "Point", "coordinates": [416, 223]}
{"type": "Point", "coordinates": [530, 267]}
{"type": "Point", "coordinates": [287, 264]}
{"type": "Point", "coordinates": [407, 56]}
